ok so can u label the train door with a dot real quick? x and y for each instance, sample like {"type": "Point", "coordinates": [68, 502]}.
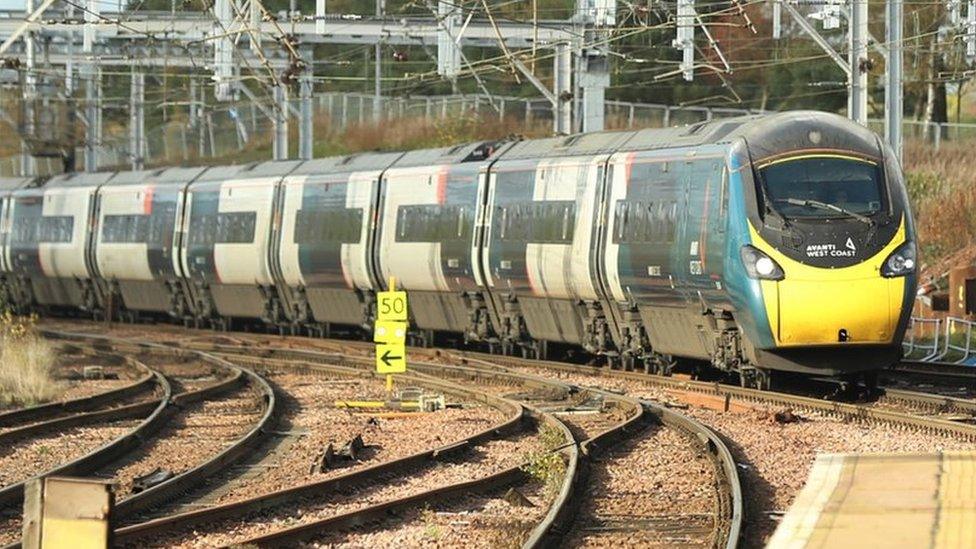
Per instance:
{"type": "Point", "coordinates": [644, 202]}
{"type": "Point", "coordinates": [700, 252]}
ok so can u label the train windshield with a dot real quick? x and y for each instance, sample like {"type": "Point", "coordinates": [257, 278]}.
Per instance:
{"type": "Point", "coordinates": [822, 187]}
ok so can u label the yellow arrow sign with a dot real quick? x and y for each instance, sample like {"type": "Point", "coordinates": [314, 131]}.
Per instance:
{"type": "Point", "coordinates": [391, 358]}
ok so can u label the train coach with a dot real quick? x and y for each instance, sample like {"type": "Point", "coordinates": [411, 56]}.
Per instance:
{"type": "Point", "coordinates": [766, 243]}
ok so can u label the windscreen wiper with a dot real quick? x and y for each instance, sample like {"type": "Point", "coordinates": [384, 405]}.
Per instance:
{"type": "Point", "coordinates": [768, 206]}
{"type": "Point", "coordinates": [825, 206]}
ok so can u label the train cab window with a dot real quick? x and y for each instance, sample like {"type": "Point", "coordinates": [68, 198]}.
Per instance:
{"type": "Point", "coordinates": [822, 187]}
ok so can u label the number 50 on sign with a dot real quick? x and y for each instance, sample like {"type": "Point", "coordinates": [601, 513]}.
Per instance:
{"type": "Point", "coordinates": [391, 306]}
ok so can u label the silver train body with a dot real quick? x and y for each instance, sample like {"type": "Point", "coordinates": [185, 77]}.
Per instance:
{"type": "Point", "coordinates": [625, 244]}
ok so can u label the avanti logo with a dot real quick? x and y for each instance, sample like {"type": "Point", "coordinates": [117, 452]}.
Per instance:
{"type": "Point", "coordinates": [832, 250]}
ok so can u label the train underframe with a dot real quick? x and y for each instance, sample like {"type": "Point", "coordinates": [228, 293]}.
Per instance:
{"type": "Point", "coordinates": [628, 348]}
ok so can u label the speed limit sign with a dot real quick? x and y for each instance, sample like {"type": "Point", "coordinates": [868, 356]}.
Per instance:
{"type": "Point", "coordinates": [391, 306]}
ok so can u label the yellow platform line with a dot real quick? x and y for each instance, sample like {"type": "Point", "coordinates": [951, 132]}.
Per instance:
{"type": "Point", "coordinates": [957, 501]}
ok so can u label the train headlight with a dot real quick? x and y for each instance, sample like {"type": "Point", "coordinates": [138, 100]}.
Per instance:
{"type": "Point", "coordinates": [901, 261]}
{"type": "Point", "coordinates": [759, 265]}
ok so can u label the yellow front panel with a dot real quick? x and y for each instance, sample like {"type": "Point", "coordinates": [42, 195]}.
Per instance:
{"type": "Point", "coordinates": [814, 312]}
{"type": "Point", "coordinates": [811, 304]}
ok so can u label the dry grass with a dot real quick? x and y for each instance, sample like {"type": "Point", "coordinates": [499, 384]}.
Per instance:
{"type": "Point", "coordinates": [942, 187]}
{"type": "Point", "coordinates": [400, 134]}
{"type": "Point", "coordinates": [26, 364]}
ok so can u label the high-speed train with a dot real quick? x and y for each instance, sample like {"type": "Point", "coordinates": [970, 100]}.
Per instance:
{"type": "Point", "coordinates": [761, 243]}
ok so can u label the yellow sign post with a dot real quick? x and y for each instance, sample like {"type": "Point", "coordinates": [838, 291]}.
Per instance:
{"type": "Point", "coordinates": [390, 333]}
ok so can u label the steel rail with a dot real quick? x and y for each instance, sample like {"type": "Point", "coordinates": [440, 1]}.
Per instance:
{"type": "Point", "coordinates": [934, 369]}
{"type": "Point", "coordinates": [190, 478]}
{"type": "Point", "coordinates": [50, 410]}
{"type": "Point", "coordinates": [931, 400]}
{"type": "Point", "coordinates": [542, 535]}
{"type": "Point", "coordinates": [558, 518]}
{"type": "Point", "coordinates": [551, 527]}
{"type": "Point", "coordinates": [14, 493]}
{"type": "Point", "coordinates": [292, 535]}
{"type": "Point", "coordinates": [732, 512]}
{"type": "Point", "coordinates": [515, 421]}
{"type": "Point", "coordinates": [557, 521]}
{"type": "Point", "coordinates": [832, 408]}
{"type": "Point", "coordinates": [859, 412]}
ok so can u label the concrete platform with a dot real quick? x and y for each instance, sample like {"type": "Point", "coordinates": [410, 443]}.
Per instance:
{"type": "Point", "coordinates": [884, 500]}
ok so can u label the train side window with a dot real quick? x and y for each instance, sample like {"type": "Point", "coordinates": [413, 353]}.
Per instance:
{"type": "Point", "coordinates": [315, 226]}
{"type": "Point", "coordinates": [620, 221]}
{"type": "Point", "coordinates": [236, 227]}
{"type": "Point", "coordinates": [25, 230]}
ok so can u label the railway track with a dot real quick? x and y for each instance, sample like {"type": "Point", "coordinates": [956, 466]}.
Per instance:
{"type": "Point", "coordinates": [118, 430]}
{"type": "Point", "coordinates": [147, 443]}
{"type": "Point", "coordinates": [902, 412]}
{"type": "Point", "coordinates": [145, 381]}
{"type": "Point", "coordinates": [610, 443]}
{"type": "Point", "coordinates": [591, 439]}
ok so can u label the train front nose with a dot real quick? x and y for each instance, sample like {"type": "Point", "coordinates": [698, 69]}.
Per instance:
{"type": "Point", "coordinates": [836, 307]}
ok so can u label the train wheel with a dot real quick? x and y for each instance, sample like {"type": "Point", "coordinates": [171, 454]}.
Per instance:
{"type": "Point", "coordinates": [871, 384]}
{"type": "Point", "coordinates": [667, 365]}
{"type": "Point", "coordinates": [746, 378]}
{"type": "Point", "coordinates": [764, 380]}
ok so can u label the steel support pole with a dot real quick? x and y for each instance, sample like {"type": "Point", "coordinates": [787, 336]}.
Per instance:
{"type": "Point", "coordinates": [857, 104]}
{"type": "Point", "coordinates": [895, 11]}
{"type": "Point", "coordinates": [91, 114]}
{"type": "Point", "coordinates": [29, 94]}
{"type": "Point", "coordinates": [378, 68]}
{"type": "Point", "coordinates": [306, 139]}
{"type": "Point", "coordinates": [137, 120]}
{"type": "Point", "coordinates": [281, 123]}
{"type": "Point", "coordinates": [595, 78]}
{"type": "Point", "coordinates": [562, 88]}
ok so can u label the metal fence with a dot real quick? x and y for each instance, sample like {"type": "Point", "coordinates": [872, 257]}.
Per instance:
{"type": "Point", "coordinates": [936, 339]}
{"type": "Point", "coordinates": [228, 131]}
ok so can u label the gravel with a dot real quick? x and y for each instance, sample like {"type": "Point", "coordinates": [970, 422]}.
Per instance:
{"type": "Point", "coordinates": [484, 460]}
{"type": "Point", "coordinates": [657, 488]}
{"type": "Point", "coordinates": [774, 458]}
{"type": "Point", "coordinates": [488, 521]}
{"type": "Point", "coordinates": [39, 454]}
{"type": "Point", "coordinates": [191, 437]}
{"type": "Point", "coordinates": [311, 416]}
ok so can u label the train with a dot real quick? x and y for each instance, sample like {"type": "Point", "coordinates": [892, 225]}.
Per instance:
{"type": "Point", "coordinates": [751, 245]}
